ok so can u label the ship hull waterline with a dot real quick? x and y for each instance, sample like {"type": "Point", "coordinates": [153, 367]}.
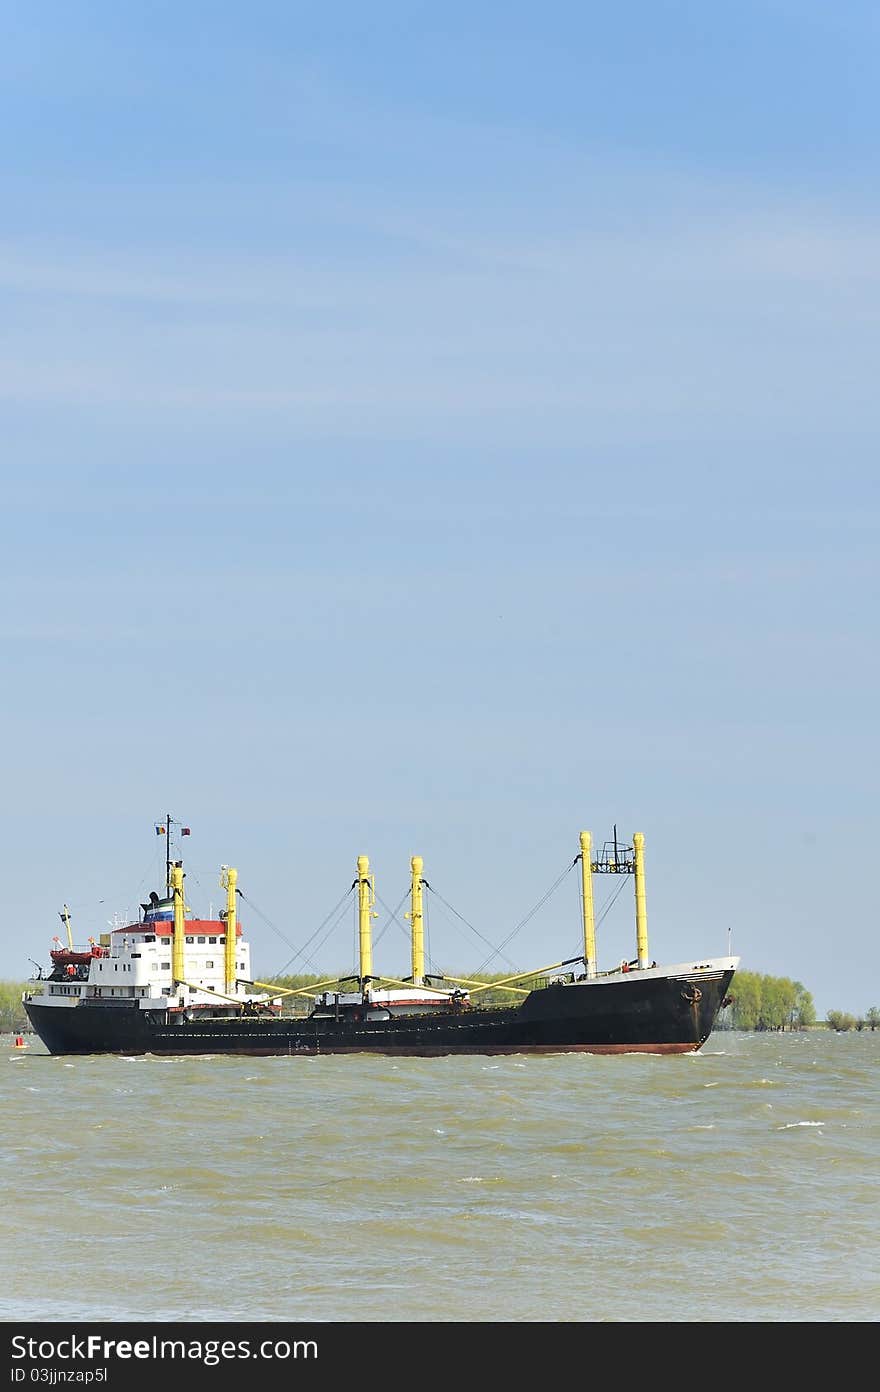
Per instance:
{"type": "Point", "coordinates": [649, 1014]}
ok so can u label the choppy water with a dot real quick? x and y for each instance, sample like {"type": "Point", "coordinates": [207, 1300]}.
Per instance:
{"type": "Point", "coordinates": [742, 1183]}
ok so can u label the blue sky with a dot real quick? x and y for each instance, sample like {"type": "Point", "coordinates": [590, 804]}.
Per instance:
{"type": "Point", "coordinates": [436, 430]}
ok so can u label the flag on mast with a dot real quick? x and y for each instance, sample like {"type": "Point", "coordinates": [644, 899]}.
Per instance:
{"type": "Point", "coordinates": [160, 831]}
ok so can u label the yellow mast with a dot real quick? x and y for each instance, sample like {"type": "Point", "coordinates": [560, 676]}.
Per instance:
{"type": "Point", "coordinates": [66, 917]}
{"type": "Point", "coordinates": [418, 923]}
{"type": "Point", "coordinates": [587, 895]}
{"type": "Point", "coordinates": [366, 896]}
{"type": "Point", "coordinates": [641, 905]}
{"type": "Point", "coordinates": [177, 953]}
{"type": "Point", "coordinates": [228, 881]}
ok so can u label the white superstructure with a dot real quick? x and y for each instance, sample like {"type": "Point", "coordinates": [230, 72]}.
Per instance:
{"type": "Point", "coordinates": [133, 963]}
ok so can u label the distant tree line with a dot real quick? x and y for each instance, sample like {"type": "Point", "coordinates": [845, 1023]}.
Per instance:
{"type": "Point", "coordinates": [841, 1021]}
{"type": "Point", "coordinates": [767, 1003]}
{"type": "Point", "coordinates": [777, 1003]}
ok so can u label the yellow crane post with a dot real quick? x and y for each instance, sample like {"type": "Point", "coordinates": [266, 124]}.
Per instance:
{"type": "Point", "coordinates": [418, 923]}
{"type": "Point", "coordinates": [641, 905]}
{"type": "Point", "coordinates": [229, 881]}
{"type": "Point", "coordinates": [587, 898]}
{"type": "Point", "coordinates": [366, 897]}
{"type": "Point", "coordinates": [177, 952]}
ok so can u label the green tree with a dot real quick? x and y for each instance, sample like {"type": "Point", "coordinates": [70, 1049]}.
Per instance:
{"type": "Point", "coordinates": [804, 1008]}
{"type": "Point", "coordinates": [872, 1018]}
{"type": "Point", "coordinates": [769, 1002]}
{"type": "Point", "coordinates": [746, 1007]}
{"type": "Point", "coordinates": [839, 1020]}
{"type": "Point", "coordinates": [778, 996]}
{"type": "Point", "coordinates": [12, 1016]}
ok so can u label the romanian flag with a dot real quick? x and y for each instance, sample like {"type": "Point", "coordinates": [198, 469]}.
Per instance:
{"type": "Point", "coordinates": [160, 831]}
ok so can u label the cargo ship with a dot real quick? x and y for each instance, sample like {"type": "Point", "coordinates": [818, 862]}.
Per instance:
{"type": "Point", "coordinates": [173, 984]}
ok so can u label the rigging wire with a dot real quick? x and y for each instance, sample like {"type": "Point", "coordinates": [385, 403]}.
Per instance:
{"type": "Point", "coordinates": [191, 873]}
{"type": "Point", "coordinates": [318, 946]}
{"type": "Point", "coordinates": [264, 917]}
{"type": "Point", "coordinates": [392, 918]}
{"type": "Point", "coordinates": [429, 961]}
{"type": "Point", "coordinates": [322, 942]}
{"type": "Point", "coordinates": [530, 915]}
{"type": "Point", "coordinates": [151, 870]}
{"type": "Point", "coordinates": [603, 913]}
{"type": "Point", "coordinates": [300, 951]}
{"type": "Point", "coordinates": [92, 906]}
{"type": "Point", "coordinates": [609, 903]}
{"type": "Point", "coordinates": [495, 950]}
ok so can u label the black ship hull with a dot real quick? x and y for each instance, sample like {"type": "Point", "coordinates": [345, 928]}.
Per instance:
{"type": "Point", "coordinates": [651, 1012]}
